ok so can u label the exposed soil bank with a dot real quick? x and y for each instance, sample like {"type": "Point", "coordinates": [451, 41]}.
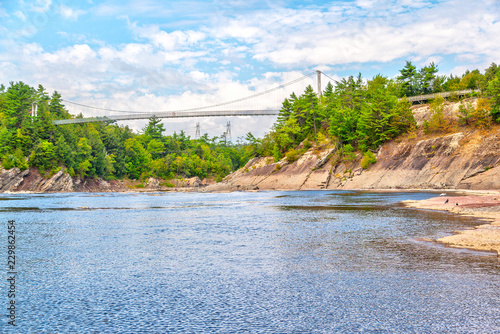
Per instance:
{"type": "Point", "coordinates": [485, 237]}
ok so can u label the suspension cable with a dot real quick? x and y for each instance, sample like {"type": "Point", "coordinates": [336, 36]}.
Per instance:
{"type": "Point", "coordinates": [201, 108]}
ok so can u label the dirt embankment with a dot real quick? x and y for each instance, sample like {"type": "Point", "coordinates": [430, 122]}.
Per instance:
{"type": "Point", "coordinates": [466, 159]}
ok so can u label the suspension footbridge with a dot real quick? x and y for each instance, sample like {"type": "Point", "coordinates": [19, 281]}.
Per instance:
{"type": "Point", "coordinates": [269, 104]}
{"type": "Point", "coordinates": [265, 103]}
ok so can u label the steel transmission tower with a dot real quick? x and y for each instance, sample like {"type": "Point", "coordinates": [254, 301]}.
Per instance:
{"type": "Point", "coordinates": [228, 130]}
{"type": "Point", "coordinates": [198, 133]}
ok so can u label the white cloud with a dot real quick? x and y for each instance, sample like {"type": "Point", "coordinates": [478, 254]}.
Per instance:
{"type": "Point", "coordinates": [168, 41]}
{"type": "Point", "coordinates": [70, 13]}
{"type": "Point", "coordinates": [315, 37]}
{"type": "Point", "coordinates": [76, 55]}
{"type": "Point", "coordinates": [20, 15]}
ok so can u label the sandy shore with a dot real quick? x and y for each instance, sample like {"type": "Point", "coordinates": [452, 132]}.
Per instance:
{"type": "Point", "coordinates": [485, 205]}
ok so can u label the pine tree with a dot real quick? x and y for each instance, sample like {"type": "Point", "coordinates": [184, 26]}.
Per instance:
{"type": "Point", "coordinates": [408, 79]}
{"type": "Point", "coordinates": [18, 105]}
{"type": "Point", "coordinates": [155, 128]}
{"type": "Point", "coordinates": [55, 106]}
{"type": "Point", "coordinates": [427, 77]}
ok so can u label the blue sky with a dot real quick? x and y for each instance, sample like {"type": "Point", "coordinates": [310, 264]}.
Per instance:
{"type": "Point", "coordinates": [162, 55]}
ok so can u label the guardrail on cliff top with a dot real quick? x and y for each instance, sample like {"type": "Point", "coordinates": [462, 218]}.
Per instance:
{"type": "Point", "coordinates": [427, 97]}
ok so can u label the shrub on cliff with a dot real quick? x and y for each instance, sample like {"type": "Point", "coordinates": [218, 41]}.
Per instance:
{"type": "Point", "coordinates": [348, 153]}
{"type": "Point", "coordinates": [479, 116]}
{"type": "Point", "coordinates": [368, 159]}
{"type": "Point", "coordinates": [482, 113]}
{"type": "Point", "coordinates": [293, 155]}
{"type": "Point", "coordinates": [465, 113]}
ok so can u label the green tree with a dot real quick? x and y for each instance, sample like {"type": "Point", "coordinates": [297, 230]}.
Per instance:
{"type": "Point", "coordinates": [408, 79]}
{"type": "Point", "coordinates": [376, 124]}
{"type": "Point", "coordinates": [155, 128]}
{"type": "Point", "coordinates": [44, 127]}
{"type": "Point", "coordinates": [18, 105]}
{"type": "Point", "coordinates": [493, 90]}
{"type": "Point", "coordinates": [137, 158]}
{"type": "Point", "coordinates": [156, 148]}
{"type": "Point", "coordinates": [44, 156]}
{"type": "Point", "coordinates": [427, 77]}
{"type": "Point", "coordinates": [56, 107]}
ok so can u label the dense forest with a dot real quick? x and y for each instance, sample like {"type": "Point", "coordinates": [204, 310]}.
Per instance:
{"type": "Point", "coordinates": [356, 114]}
{"type": "Point", "coordinates": [360, 114]}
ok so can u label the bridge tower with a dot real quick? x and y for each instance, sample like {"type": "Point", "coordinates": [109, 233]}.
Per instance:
{"type": "Point", "coordinates": [34, 109]}
{"type": "Point", "coordinates": [319, 83]}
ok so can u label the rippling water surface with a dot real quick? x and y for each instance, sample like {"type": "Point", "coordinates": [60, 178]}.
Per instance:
{"type": "Point", "coordinates": [267, 262]}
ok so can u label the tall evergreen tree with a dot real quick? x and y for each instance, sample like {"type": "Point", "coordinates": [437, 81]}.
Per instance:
{"type": "Point", "coordinates": [155, 128]}
{"type": "Point", "coordinates": [408, 79]}
{"type": "Point", "coordinates": [56, 107]}
{"type": "Point", "coordinates": [427, 77]}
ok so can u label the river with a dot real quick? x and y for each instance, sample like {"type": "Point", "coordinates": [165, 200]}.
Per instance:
{"type": "Point", "coordinates": [264, 262]}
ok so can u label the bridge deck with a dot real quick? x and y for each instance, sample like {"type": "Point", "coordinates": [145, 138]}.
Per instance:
{"type": "Point", "coordinates": [169, 114]}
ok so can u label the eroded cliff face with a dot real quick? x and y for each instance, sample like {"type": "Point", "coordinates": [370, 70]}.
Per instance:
{"type": "Point", "coordinates": [456, 161]}
{"type": "Point", "coordinates": [462, 160]}
{"type": "Point", "coordinates": [30, 180]}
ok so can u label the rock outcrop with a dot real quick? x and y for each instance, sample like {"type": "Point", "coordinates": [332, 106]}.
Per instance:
{"type": "Point", "coordinates": [30, 180]}
{"type": "Point", "coordinates": [485, 237]}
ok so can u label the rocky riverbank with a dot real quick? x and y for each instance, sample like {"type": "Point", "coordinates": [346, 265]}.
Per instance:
{"type": "Point", "coordinates": [463, 158]}
{"type": "Point", "coordinates": [30, 180]}
{"type": "Point", "coordinates": [486, 206]}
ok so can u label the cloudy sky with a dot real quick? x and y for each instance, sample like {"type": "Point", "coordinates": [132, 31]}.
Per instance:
{"type": "Point", "coordinates": [153, 55]}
